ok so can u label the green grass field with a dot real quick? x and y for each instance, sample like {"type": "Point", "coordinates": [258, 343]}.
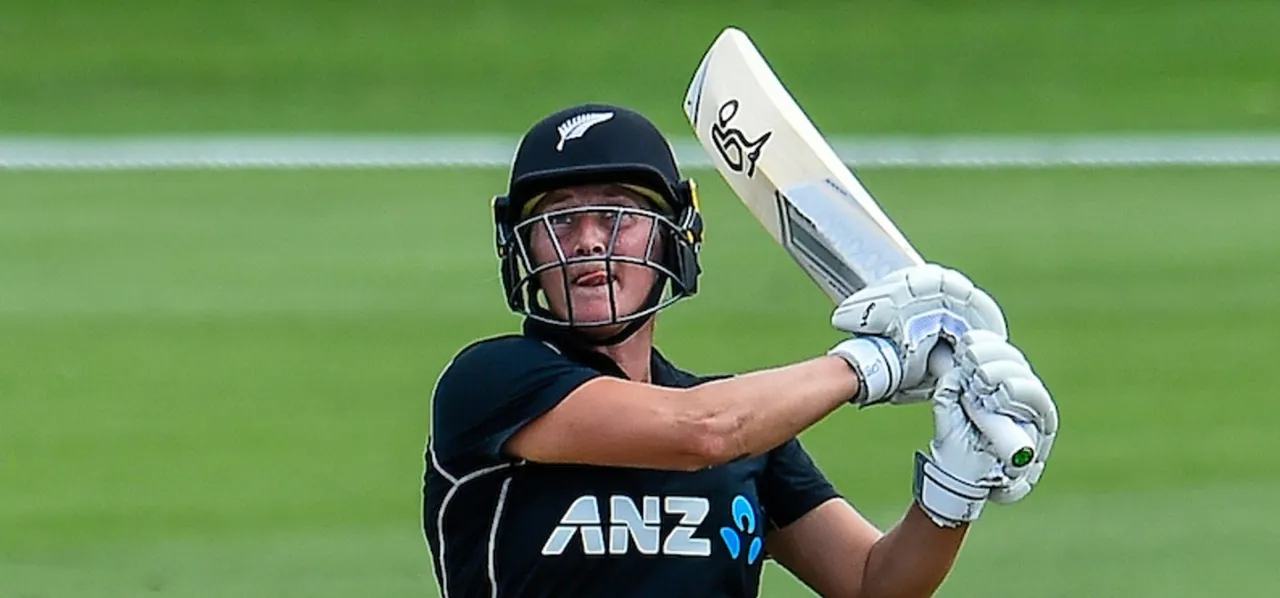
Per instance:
{"type": "Point", "coordinates": [217, 383]}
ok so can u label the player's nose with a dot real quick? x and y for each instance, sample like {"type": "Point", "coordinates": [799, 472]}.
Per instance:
{"type": "Point", "coordinates": [591, 236]}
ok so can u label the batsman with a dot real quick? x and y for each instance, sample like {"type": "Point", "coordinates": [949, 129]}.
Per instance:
{"type": "Point", "coordinates": [572, 458]}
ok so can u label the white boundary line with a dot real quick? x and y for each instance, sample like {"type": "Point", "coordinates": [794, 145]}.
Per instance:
{"type": "Point", "coordinates": [479, 151]}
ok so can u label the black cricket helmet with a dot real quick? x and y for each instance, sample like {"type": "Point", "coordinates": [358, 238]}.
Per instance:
{"type": "Point", "coordinates": [598, 144]}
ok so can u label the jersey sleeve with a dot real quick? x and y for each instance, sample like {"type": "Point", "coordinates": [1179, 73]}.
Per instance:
{"type": "Point", "coordinates": [792, 485]}
{"type": "Point", "coordinates": [493, 388]}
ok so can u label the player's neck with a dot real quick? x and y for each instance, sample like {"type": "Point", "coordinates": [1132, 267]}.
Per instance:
{"type": "Point", "coordinates": [634, 354]}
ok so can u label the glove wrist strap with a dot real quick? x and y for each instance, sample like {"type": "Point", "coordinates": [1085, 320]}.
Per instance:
{"type": "Point", "coordinates": [947, 500]}
{"type": "Point", "coordinates": [877, 365]}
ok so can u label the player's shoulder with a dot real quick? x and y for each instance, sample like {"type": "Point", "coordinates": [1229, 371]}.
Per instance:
{"type": "Point", "coordinates": [508, 343]}
{"type": "Point", "coordinates": [498, 353]}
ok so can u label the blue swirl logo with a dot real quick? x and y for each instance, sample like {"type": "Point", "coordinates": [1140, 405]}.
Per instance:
{"type": "Point", "coordinates": [744, 524]}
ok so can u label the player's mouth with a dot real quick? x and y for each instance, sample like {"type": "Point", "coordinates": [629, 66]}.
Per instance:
{"type": "Point", "coordinates": [597, 278]}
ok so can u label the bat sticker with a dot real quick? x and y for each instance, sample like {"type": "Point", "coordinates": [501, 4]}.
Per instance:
{"type": "Point", "coordinates": [804, 241]}
{"type": "Point", "coordinates": [738, 151]}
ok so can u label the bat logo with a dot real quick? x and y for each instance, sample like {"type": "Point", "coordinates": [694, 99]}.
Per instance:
{"type": "Point", "coordinates": [739, 152]}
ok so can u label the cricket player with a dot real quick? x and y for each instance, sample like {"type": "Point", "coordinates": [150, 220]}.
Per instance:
{"type": "Point", "coordinates": [574, 459]}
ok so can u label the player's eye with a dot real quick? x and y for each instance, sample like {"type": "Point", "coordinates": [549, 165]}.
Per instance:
{"type": "Point", "coordinates": [627, 218]}
{"type": "Point", "coordinates": [560, 220]}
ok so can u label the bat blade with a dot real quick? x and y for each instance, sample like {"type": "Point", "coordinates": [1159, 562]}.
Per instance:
{"type": "Point", "coordinates": [782, 169]}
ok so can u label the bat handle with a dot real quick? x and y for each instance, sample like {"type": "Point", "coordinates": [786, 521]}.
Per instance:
{"type": "Point", "coordinates": [1008, 441]}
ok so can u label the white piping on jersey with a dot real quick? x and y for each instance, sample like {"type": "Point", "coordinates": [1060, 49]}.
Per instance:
{"type": "Point", "coordinates": [493, 536]}
{"type": "Point", "coordinates": [444, 507]}
{"type": "Point", "coordinates": [435, 462]}
{"type": "Point", "coordinates": [456, 483]}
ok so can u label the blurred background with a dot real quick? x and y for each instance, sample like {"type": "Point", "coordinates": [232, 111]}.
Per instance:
{"type": "Point", "coordinates": [216, 381]}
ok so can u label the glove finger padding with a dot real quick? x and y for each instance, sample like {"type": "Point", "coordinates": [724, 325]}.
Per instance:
{"type": "Point", "coordinates": [983, 346]}
{"type": "Point", "coordinates": [1011, 388]}
{"type": "Point", "coordinates": [973, 304]}
{"type": "Point", "coordinates": [879, 308]}
{"type": "Point", "coordinates": [998, 379]}
{"type": "Point", "coordinates": [985, 314]}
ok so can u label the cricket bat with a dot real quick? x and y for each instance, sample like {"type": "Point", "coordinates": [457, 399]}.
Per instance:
{"type": "Point", "coordinates": [788, 176]}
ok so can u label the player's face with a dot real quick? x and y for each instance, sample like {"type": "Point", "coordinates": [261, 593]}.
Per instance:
{"type": "Point", "coordinates": [614, 226]}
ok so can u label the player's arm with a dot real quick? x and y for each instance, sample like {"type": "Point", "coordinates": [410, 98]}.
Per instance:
{"type": "Point", "coordinates": [518, 398]}
{"type": "Point", "coordinates": [615, 422]}
{"type": "Point", "coordinates": [827, 544]}
{"type": "Point", "coordinates": [838, 553]}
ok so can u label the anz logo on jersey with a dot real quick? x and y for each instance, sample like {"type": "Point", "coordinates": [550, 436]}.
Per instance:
{"type": "Point", "coordinates": [639, 527]}
{"type": "Point", "coordinates": [743, 531]}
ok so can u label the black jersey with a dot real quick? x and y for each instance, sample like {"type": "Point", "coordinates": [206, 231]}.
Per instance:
{"type": "Point", "coordinates": [498, 526]}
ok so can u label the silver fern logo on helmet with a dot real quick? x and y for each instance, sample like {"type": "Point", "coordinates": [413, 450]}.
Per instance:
{"type": "Point", "coordinates": [577, 126]}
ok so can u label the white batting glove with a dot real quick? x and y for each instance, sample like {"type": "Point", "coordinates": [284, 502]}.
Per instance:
{"type": "Point", "coordinates": [954, 478]}
{"type": "Point", "coordinates": [915, 308]}
{"type": "Point", "coordinates": [998, 379]}
{"type": "Point", "coordinates": [960, 473]}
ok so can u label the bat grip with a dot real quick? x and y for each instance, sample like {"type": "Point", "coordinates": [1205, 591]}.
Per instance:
{"type": "Point", "coordinates": [1009, 442]}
